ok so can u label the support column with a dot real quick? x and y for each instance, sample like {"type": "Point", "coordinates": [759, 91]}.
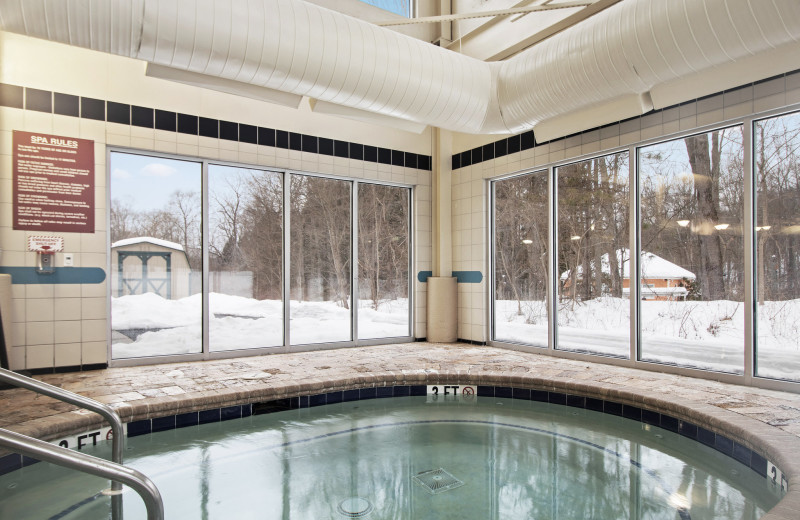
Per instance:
{"type": "Point", "coordinates": [442, 289]}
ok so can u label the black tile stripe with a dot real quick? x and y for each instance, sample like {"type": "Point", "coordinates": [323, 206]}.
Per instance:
{"type": "Point", "coordinates": [39, 100]}
{"type": "Point", "coordinates": [15, 96]}
{"type": "Point", "coordinates": [142, 116]}
{"type": "Point", "coordinates": [526, 140]}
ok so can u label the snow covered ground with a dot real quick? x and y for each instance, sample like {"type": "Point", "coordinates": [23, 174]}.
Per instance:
{"type": "Point", "coordinates": [706, 335]}
{"type": "Point", "coordinates": [149, 325]}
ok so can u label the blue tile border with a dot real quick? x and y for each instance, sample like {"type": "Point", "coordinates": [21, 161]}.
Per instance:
{"type": "Point", "coordinates": [686, 429]}
{"type": "Point", "coordinates": [41, 101]}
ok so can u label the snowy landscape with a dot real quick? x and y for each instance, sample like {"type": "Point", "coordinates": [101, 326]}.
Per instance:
{"type": "Point", "coordinates": [705, 335]}
{"type": "Point", "coordinates": [149, 325]}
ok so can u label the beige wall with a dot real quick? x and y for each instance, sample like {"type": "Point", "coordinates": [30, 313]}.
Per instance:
{"type": "Point", "coordinates": [67, 325]}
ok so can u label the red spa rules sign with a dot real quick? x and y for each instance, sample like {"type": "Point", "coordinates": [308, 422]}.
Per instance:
{"type": "Point", "coordinates": [53, 186]}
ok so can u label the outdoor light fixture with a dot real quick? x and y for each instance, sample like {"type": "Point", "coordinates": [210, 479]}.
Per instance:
{"type": "Point", "coordinates": [683, 223]}
{"type": "Point", "coordinates": [720, 227]}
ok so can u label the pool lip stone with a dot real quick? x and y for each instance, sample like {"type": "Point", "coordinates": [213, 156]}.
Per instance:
{"type": "Point", "coordinates": [695, 419]}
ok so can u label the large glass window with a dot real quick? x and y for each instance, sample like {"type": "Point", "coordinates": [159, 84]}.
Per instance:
{"type": "Point", "coordinates": [320, 260]}
{"type": "Point", "coordinates": [383, 261]}
{"type": "Point", "coordinates": [593, 256]}
{"type": "Point", "coordinates": [156, 256]}
{"type": "Point", "coordinates": [158, 207]}
{"type": "Point", "coordinates": [777, 244]}
{"type": "Point", "coordinates": [692, 253]}
{"type": "Point", "coordinates": [520, 259]}
{"type": "Point", "coordinates": [245, 258]}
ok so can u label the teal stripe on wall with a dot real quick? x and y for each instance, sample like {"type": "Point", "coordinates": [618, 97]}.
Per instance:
{"type": "Point", "coordinates": [461, 276]}
{"type": "Point", "coordinates": [29, 276]}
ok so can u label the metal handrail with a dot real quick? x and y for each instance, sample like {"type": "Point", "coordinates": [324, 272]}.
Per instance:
{"type": "Point", "coordinates": [117, 443]}
{"type": "Point", "coordinates": [95, 466]}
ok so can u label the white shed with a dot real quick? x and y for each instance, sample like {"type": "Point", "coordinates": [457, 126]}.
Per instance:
{"type": "Point", "coordinates": [150, 265]}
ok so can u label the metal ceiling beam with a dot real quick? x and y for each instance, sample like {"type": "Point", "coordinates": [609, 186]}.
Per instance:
{"type": "Point", "coordinates": [569, 21]}
{"type": "Point", "coordinates": [484, 14]}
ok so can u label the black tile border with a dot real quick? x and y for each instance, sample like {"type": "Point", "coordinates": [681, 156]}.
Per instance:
{"type": "Point", "coordinates": [15, 96]}
{"type": "Point", "coordinates": [527, 140]}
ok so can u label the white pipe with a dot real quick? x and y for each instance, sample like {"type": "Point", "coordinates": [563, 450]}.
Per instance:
{"type": "Point", "coordinates": [302, 49]}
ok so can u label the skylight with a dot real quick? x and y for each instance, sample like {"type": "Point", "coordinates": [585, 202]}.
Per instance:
{"type": "Point", "coordinates": [401, 7]}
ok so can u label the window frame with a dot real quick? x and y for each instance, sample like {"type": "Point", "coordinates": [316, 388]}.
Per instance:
{"type": "Point", "coordinates": [749, 377]}
{"type": "Point", "coordinates": [286, 347]}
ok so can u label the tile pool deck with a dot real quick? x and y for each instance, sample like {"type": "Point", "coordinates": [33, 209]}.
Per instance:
{"type": "Point", "coordinates": [765, 421]}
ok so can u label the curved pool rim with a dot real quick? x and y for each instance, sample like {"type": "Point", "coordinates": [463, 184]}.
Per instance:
{"type": "Point", "coordinates": [773, 444]}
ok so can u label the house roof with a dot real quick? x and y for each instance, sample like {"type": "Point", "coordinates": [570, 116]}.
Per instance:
{"type": "Point", "coordinates": [149, 240]}
{"type": "Point", "coordinates": [652, 266]}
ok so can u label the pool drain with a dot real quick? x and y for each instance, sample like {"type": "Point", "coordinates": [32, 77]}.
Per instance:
{"type": "Point", "coordinates": [437, 481]}
{"type": "Point", "coordinates": [355, 507]}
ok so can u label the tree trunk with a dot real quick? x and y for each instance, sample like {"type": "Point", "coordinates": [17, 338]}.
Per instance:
{"type": "Point", "coordinates": [705, 168]}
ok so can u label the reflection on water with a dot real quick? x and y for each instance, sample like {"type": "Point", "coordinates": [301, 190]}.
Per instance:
{"type": "Point", "coordinates": [517, 459]}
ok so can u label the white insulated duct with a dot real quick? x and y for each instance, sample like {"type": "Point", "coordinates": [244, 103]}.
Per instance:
{"type": "Point", "coordinates": [614, 59]}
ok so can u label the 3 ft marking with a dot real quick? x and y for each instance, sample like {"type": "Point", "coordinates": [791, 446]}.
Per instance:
{"type": "Point", "coordinates": [83, 440]}
{"type": "Point", "coordinates": [776, 477]}
{"type": "Point", "coordinates": [451, 390]}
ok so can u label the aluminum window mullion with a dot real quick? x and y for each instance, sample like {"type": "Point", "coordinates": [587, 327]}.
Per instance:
{"type": "Point", "coordinates": [287, 210]}
{"type": "Point", "coordinates": [491, 281]}
{"type": "Point", "coordinates": [204, 241]}
{"type": "Point", "coordinates": [411, 253]}
{"type": "Point", "coordinates": [552, 245]}
{"type": "Point", "coordinates": [634, 276]}
{"type": "Point", "coordinates": [354, 261]}
{"type": "Point", "coordinates": [749, 213]}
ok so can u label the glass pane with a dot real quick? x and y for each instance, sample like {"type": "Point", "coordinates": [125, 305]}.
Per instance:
{"type": "Point", "coordinates": [520, 260]}
{"type": "Point", "coordinates": [383, 237]}
{"type": "Point", "coordinates": [156, 258]}
{"type": "Point", "coordinates": [245, 258]}
{"type": "Point", "coordinates": [401, 7]}
{"type": "Point", "coordinates": [692, 262]}
{"type": "Point", "coordinates": [777, 160]}
{"type": "Point", "coordinates": [593, 306]}
{"type": "Point", "coordinates": [320, 260]}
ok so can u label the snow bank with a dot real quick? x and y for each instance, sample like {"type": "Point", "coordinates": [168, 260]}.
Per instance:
{"type": "Point", "coordinates": [149, 325]}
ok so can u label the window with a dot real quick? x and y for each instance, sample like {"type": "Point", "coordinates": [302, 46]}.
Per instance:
{"type": "Point", "coordinates": [401, 7]}
{"type": "Point", "coordinates": [691, 205]}
{"type": "Point", "coordinates": [593, 257]}
{"type": "Point", "coordinates": [520, 259]}
{"type": "Point", "coordinates": [777, 245]}
{"type": "Point", "coordinates": [156, 256]}
{"type": "Point", "coordinates": [158, 287]}
{"type": "Point", "coordinates": [383, 261]}
{"type": "Point", "coordinates": [245, 258]}
{"type": "Point", "coordinates": [320, 260]}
